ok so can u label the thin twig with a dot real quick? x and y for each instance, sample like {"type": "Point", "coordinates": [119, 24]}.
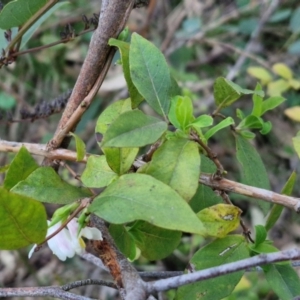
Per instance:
{"type": "Point", "coordinates": [79, 283]}
{"type": "Point", "coordinates": [250, 191]}
{"type": "Point", "coordinates": [212, 156]}
{"type": "Point", "coordinates": [221, 184]}
{"type": "Point", "coordinates": [259, 260]}
{"type": "Point", "coordinates": [242, 52]}
{"type": "Point", "coordinates": [199, 35]}
{"type": "Point", "coordinates": [40, 150]}
{"type": "Point", "coordinates": [46, 291]}
{"type": "Point", "coordinates": [253, 40]}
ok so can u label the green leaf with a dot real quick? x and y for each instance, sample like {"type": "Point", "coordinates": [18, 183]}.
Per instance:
{"type": "Point", "coordinates": [177, 164]}
{"type": "Point", "coordinates": [29, 33]}
{"type": "Point", "coordinates": [247, 134]}
{"type": "Point", "coordinates": [240, 114]}
{"type": "Point", "coordinates": [182, 111]}
{"type": "Point", "coordinates": [97, 173]}
{"type": "Point", "coordinates": [172, 113]}
{"type": "Point", "coordinates": [295, 21]}
{"type": "Point", "coordinates": [220, 219]}
{"type": "Point", "coordinates": [260, 73]}
{"type": "Point", "coordinates": [294, 83]}
{"type": "Point", "coordinates": [23, 221]}
{"type": "Point", "coordinates": [271, 103]}
{"type": "Point", "coordinates": [150, 73]}
{"type": "Point", "coordinates": [263, 247]}
{"type": "Point", "coordinates": [135, 96]}
{"type": "Point", "coordinates": [120, 160]}
{"type": "Point", "coordinates": [280, 15]}
{"type": "Point", "coordinates": [253, 169]}
{"type": "Point", "coordinates": [110, 114]}
{"type": "Point", "coordinates": [277, 209]}
{"type": "Point", "coordinates": [223, 124]}
{"type": "Point", "coordinates": [284, 280]}
{"type": "Point", "coordinates": [20, 168]}
{"type": "Point", "coordinates": [204, 197]}
{"type": "Point", "coordinates": [7, 102]}
{"type": "Point", "coordinates": [251, 122]}
{"type": "Point", "coordinates": [282, 70]}
{"type": "Point", "coordinates": [80, 147]}
{"type": "Point", "coordinates": [203, 121]}
{"type": "Point", "coordinates": [45, 185]}
{"type": "Point", "coordinates": [260, 234]}
{"type": "Point", "coordinates": [221, 251]}
{"type": "Point", "coordinates": [257, 102]}
{"type": "Point", "coordinates": [266, 128]}
{"type": "Point", "coordinates": [174, 89]}
{"type": "Point", "coordinates": [142, 197]}
{"type": "Point", "coordinates": [123, 240]}
{"type": "Point", "coordinates": [226, 92]}
{"type": "Point", "coordinates": [133, 129]}
{"type": "Point", "coordinates": [296, 143]}
{"type": "Point", "coordinates": [154, 242]}
{"type": "Point", "coordinates": [16, 13]}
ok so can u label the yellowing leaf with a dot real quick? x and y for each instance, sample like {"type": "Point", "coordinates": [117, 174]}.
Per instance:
{"type": "Point", "coordinates": [243, 285]}
{"type": "Point", "coordinates": [293, 113]}
{"type": "Point", "coordinates": [283, 70]}
{"type": "Point", "coordinates": [220, 219]}
{"type": "Point", "coordinates": [294, 83]}
{"type": "Point", "coordinates": [260, 73]}
{"type": "Point", "coordinates": [276, 88]}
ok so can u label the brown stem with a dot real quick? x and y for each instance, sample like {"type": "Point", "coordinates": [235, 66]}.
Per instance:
{"type": "Point", "coordinates": [113, 17]}
{"type": "Point", "coordinates": [210, 154]}
{"type": "Point", "coordinates": [129, 283]}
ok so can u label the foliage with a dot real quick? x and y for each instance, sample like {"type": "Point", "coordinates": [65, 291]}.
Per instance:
{"type": "Point", "coordinates": [151, 201]}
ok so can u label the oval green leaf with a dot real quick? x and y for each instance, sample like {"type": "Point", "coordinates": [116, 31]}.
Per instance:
{"type": "Point", "coordinates": [142, 197]}
{"type": "Point", "coordinates": [23, 221]}
{"type": "Point", "coordinates": [177, 164]}
{"type": "Point", "coordinates": [120, 160]}
{"type": "Point", "coordinates": [45, 185]}
{"type": "Point", "coordinates": [150, 73]}
{"type": "Point", "coordinates": [110, 114]}
{"type": "Point", "coordinates": [16, 13]}
{"type": "Point", "coordinates": [80, 147]}
{"type": "Point", "coordinates": [154, 242]}
{"type": "Point", "coordinates": [135, 96]}
{"type": "Point", "coordinates": [20, 168]}
{"type": "Point", "coordinates": [253, 170]}
{"type": "Point", "coordinates": [133, 129]}
{"type": "Point", "coordinates": [97, 173]}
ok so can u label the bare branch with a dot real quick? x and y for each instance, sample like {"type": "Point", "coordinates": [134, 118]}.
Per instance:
{"type": "Point", "coordinates": [113, 17]}
{"type": "Point", "coordinates": [206, 179]}
{"type": "Point", "coordinates": [262, 259]}
{"type": "Point", "coordinates": [40, 150]}
{"type": "Point", "coordinates": [46, 291]}
{"type": "Point", "coordinates": [250, 191]}
{"type": "Point", "coordinates": [79, 283]}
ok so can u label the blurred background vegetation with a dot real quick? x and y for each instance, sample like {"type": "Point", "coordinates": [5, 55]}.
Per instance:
{"type": "Point", "coordinates": [201, 40]}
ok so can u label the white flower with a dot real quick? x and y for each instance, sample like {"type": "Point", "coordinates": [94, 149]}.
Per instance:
{"type": "Point", "coordinates": [67, 243]}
